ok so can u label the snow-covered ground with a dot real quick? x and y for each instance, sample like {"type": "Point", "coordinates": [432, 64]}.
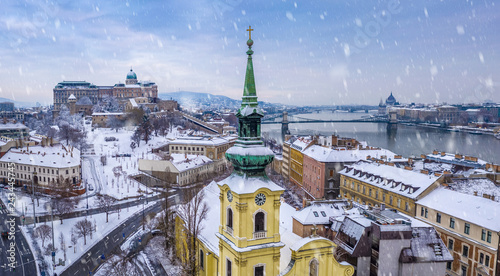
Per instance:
{"type": "Point", "coordinates": [101, 230]}
{"type": "Point", "coordinates": [112, 177]}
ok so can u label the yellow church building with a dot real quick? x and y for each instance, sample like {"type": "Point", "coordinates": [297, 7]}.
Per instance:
{"type": "Point", "coordinates": [248, 229]}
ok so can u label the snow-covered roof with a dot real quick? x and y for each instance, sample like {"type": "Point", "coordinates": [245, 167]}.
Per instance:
{"type": "Point", "coordinates": [107, 113]}
{"type": "Point", "coordinates": [323, 154]}
{"type": "Point", "coordinates": [56, 156]}
{"type": "Point", "coordinates": [133, 103]}
{"type": "Point", "coordinates": [477, 210]}
{"type": "Point", "coordinates": [319, 213]}
{"type": "Point", "coordinates": [132, 86]}
{"type": "Point", "coordinates": [296, 246]}
{"type": "Point", "coordinates": [451, 158]}
{"type": "Point", "coordinates": [203, 140]}
{"type": "Point", "coordinates": [400, 181]}
{"type": "Point", "coordinates": [301, 143]}
{"type": "Point", "coordinates": [12, 126]}
{"type": "Point", "coordinates": [243, 184]}
{"type": "Point", "coordinates": [187, 162]}
{"type": "Point", "coordinates": [483, 186]}
{"type": "Point", "coordinates": [250, 151]}
{"type": "Point", "coordinates": [72, 97]}
{"type": "Point", "coordinates": [426, 246]}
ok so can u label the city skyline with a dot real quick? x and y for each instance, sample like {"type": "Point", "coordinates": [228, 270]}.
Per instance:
{"type": "Point", "coordinates": [305, 53]}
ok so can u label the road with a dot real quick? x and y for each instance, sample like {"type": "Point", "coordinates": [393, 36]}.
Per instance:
{"type": "Point", "coordinates": [25, 264]}
{"type": "Point", "coordinates": [93, 211]}
{"type": "Point", "coordinates": [91, 260]}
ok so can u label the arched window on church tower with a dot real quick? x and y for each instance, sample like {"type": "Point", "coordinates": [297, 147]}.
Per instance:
{"type": "Point", "coordinates": [259, 222]}
{"type": "Point", "coordinates": [313, 267]}
{"type": "Point", "coordinates": [229, 218]}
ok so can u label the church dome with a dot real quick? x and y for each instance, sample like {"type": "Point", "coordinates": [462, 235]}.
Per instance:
{"type": "Point", "coordinates": [390, 100]}
{"type": "Point", "coordinates": [131, 75]}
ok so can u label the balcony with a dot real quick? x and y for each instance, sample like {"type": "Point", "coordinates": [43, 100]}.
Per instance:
{"type": "Point", "coordinates": [229, 230]}
{"type": "Point", "coordinates": [259, 235]}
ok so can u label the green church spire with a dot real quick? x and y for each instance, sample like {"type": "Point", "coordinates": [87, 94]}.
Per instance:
{"type": "Point", "coordinates": [249, 154]}
{"type": "Point", "coordinates": [249, 92]}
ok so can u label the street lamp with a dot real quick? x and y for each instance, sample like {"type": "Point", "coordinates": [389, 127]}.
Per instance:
{"type": "Point", "coordinates": [33, 197]}
{"type": "Point", "coordinates": [87, 194]}
{"type": "Point", "coordinates": [143, 226]}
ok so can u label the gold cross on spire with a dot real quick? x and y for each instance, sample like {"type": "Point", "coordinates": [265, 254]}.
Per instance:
{"type": "Point", "coordinates": [249, 32]}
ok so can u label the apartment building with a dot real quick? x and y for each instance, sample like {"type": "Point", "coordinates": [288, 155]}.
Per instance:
{"type": "Point", "coordinates": [374, 184]}
{"type": "Point", "coordinates": [469, 225]}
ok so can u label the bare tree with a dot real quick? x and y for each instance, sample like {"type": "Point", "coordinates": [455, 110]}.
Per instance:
{"type": "Point", "coordinates": [115, 123]}
{"type": "Point", "coordinates": [74, 240]}
{"type": "Point", "coordinates": [167, 222]}
{"type": "Point", "coordinates": [105, 203]}
{"type": "Point", "coordinates": [83, 228]}
{"type": "Point", "coordinates": [193, 213]}
{"type": "Point", "coordinates": [136, 138]}
{"type": "Point", "coordinates": [43, 232]}
{"type": "Point", "coordinates": [62, 206]}
{"type": "Point", "coordinates": [120, 264]}
{"type": "Point", "coordinates": [62, 243]}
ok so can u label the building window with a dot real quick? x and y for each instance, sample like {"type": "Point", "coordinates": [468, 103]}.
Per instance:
{"type": "Point", "coordinates": [450, 244]}
{"type": "Point", "coordinates": [364, 189]}
{"type": "Point", "coordinates": [383, 197]}
{"type": "Point", "coordinates": [452, 223]}
{"type": "Point", "coordinates": [259, 270]}
{"type": "Point", "coordinates": [259, 222]}
{"type": "Point", "coordinates": [228, 267]}
{"type": "Point", "coordinates": [481, 258]}
{"type": "Point", "coordinates": [407, 207]}
{"type": "Point", "coordinates": [488, 239]}
{"type": "Point", "coordinates": [487, 260]}
{"type": "Point", "coordinates": [370, 192]}
{"type": "Point", "coordinates": [483, 235]}
{"type": "Point", "coordinates": [399, 203]}
{"type": "Point", "coordinates": [376, 194]}
{"type": "Point", "coordinates": [467, 229]}
{"type": "Point", "coordinates": [315, 214]}
{"type": "Point", "coordinates": [464, 271]}
{"type": "Point", "coordinates": [229, 218]}
{"type": "Point", "coordinates": [67, 171]}
{"type": "Point", "coordinates": [426, 213]}
{"type": "Point", "coordinates": [202, 255]}
{"type": "Point", "coordinates": [448, 265]}
{"type": "Point", "coordinates": [313, 267]}
{"type": "Point", "coordinates": [465, 251]}
{"type": "Point", "coordinates": [390, 200]}
{"type": "Point", "coordinates": [438, 218]}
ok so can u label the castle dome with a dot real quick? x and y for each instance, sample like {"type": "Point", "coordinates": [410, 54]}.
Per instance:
{"type": "Point", "coordinates": [131, 75]}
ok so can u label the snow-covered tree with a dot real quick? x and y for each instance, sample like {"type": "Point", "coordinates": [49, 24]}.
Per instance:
{"type": "Point", "coordinates": [43, 232]}
{"type": "Point", "coordinates": [82, 228]}
{"type": "Point", "coordinates": [115, 123]}
{"type": "Point", "coordinates": [107, 104]}
{"type": "Point", "coordinates": [192, 213]}
{"type": "Point", "coordinates": [105, 203]}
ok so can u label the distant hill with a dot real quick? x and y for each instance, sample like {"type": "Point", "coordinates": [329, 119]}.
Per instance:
{"type": "Point", "coordinates": [208, 101]}
{"type": "Point", "coordinates": [18, 104]}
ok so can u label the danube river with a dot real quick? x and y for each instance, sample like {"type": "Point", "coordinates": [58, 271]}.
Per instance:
{"type": "Point", "coordinates": [405, 140]}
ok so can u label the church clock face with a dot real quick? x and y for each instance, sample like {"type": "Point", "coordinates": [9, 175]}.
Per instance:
{"type": "Point", "coordinates": [260, 199]}
{"type": "Point", "coordinates": [229, 196]}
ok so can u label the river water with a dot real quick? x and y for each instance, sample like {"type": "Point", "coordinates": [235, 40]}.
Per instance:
{"type": "Point", "coordinates": [405, 140]}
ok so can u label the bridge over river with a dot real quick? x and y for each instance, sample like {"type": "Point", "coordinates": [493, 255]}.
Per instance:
{"type": "Point", "coordinates": [300, 120]}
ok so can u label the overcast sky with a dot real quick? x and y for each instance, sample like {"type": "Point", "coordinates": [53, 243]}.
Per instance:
{"type": "Point", "coordinates": [306, 52]}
